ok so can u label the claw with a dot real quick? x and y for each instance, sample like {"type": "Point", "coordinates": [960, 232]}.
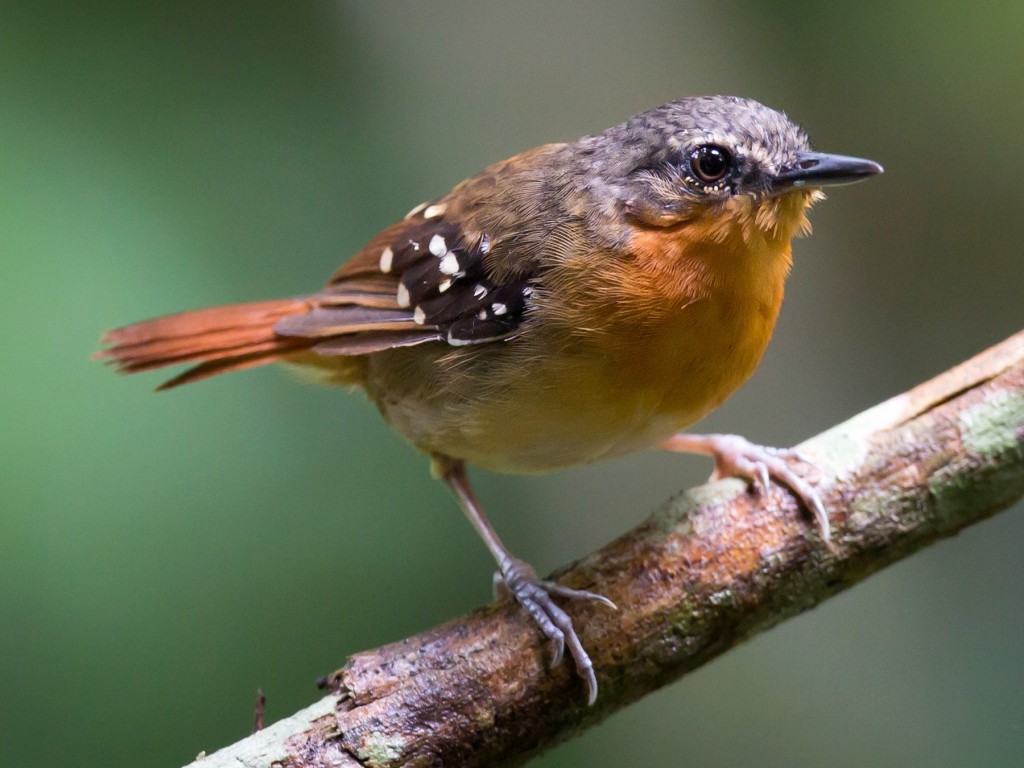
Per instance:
{"type": "Point", "coordinates": [557, 649]}
{"type": "Point", "coordinates": [736, 456]}
{"type": "Point", "coordinates": [799, 455]}
{"type": "Point", "coordinates": [554, 588]}
{"type": "Point", "coordinates": [498, 589]}
{"type": "Point", "coordinates": [762, 477]}
{"type": "Point", "coordinates": [520, 581]}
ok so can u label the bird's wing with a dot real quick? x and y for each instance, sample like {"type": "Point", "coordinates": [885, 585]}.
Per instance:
{"type": "Point", "coordinates": [458, 270]}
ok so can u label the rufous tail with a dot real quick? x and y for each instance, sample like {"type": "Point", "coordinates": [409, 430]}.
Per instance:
{"type": "Point", "coordinates": [218, 339]}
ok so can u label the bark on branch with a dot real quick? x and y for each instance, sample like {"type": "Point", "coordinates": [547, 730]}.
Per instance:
{"type": "Point", "coordinates": [711, 568]}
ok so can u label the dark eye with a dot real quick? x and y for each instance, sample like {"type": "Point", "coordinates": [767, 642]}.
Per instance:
{"type": "Point", "coordinates": [710, 163]}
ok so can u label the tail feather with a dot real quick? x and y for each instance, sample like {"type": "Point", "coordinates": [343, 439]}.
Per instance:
{"type": "Point", "coordinates": [234, 363]}
{"type": "Point", "coordinates": [328, 330]}
{"type": "Point", "coordinates": [219, 339]}
{"type": "Point", "coordinates": [254, 314]}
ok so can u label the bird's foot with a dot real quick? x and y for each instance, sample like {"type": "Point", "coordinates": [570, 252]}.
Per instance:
{"type": "Point", "coordinates": [518, 579]}
{"type": "Point", "coordinates": [736, 456]}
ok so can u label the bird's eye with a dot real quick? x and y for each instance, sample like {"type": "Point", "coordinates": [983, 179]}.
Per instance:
{"type": "Point", "coordinates": [710, 163]}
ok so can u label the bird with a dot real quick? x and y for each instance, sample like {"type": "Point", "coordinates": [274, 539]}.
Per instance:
{"type": "Point", "coordinates": [574, 303]}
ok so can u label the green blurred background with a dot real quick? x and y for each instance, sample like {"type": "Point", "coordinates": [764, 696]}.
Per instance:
{"type": "Point", "coordinates": [162, 556]}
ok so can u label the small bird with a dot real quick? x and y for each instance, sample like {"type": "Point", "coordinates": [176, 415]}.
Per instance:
{"type": "Point", "coordinates": [574, 303]}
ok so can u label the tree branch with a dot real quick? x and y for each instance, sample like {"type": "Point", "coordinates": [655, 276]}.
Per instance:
{"type": "Point", "coordinates": [711, 568]}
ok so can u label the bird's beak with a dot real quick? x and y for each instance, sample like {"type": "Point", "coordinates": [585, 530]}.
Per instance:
{"type": "Point", "coordinates": [818, 169]}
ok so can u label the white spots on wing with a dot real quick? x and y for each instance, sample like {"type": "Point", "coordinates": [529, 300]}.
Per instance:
{"type": "Point", "coordinates": [442, 282]}
{"type": "Point", "coordinates": [455, 342]}
{"type": "Point", "coordinates": [449, 263]}
{"type": "Point", "coordinates": [415, 210]}
{"type": "Point", "coordinates": [437, 246]}
{"type": "Point", "coordinates": [434, 211]}
{"type": "Point", "coordinates": [527, 291]}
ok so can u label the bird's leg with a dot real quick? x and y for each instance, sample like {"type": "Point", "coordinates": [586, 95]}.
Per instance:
{"type": "Point", "coordinates": [518, 578]}
{"type": "Point", "coordinates": [736, 456]}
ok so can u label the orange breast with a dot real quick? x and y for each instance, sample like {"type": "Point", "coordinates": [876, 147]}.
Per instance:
{"type": "Point", "coordinates": [717, 303]}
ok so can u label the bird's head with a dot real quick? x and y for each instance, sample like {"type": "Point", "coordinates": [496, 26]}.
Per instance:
{"type": "Point", "coordinates": [732, 164]}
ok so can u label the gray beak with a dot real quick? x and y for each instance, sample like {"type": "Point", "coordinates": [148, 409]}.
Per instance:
{"type": "Point", "coordinates": [819, 169]}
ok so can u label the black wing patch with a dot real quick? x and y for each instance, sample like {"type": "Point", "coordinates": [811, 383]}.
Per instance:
{"type": "Point", "coordinates": [430, 285]}
{"type": "Point", "coordinates": [442, 279]}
